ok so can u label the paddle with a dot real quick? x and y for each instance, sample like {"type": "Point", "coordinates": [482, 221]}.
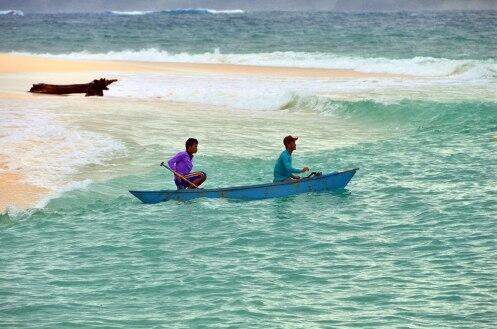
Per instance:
{"type": "Point", "coordinates": [314, 173]}
{"type": "Point", "coordinates": [177, 174]}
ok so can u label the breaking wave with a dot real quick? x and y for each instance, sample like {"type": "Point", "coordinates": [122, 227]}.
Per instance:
{"type": "Point", "coordinates": [12, 12]}
{"type": "Point", "coordinates": [130, 13]}
{"type": "Point", "coordinates": [426, 115]}
{"type": "Point", "coordinates": [202, 11]}
{"type": "Point", "coordinates": [179, 11]}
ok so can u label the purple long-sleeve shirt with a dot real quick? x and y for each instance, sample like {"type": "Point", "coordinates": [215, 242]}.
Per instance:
{"type": "Point", "coordinates": [181, 163]}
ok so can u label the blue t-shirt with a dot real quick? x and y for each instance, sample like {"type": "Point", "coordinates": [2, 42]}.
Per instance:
{"type": "Point", "coordinates": [283, 168]}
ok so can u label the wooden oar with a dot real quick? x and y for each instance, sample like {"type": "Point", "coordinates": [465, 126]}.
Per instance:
{"type": "Point", "coordinates": [179, 175]}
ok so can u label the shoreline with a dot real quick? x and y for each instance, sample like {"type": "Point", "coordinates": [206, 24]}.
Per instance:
{"type": "Point", "coordinates": [13, 63]}
{"type": "Point", "coordinates": [20, 194]}
{"type": "Point", "coordinates": [18, 72]}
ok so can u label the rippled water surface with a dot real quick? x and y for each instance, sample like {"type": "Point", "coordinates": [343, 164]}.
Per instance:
{"type": "Point", "coordinates": [410, 242]}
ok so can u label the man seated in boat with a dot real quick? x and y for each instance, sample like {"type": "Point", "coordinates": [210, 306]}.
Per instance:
{"type": "Point", "coordinates": [182, 164]}
{"type": "Point", "coordinates": [283, 170]}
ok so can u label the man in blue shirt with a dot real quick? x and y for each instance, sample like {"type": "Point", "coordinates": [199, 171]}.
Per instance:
{"type": "Point", "coordinates": [283, 169]}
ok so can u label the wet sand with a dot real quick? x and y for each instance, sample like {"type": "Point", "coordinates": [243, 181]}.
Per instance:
{"type": "Point", "coordinates": [15, 191]}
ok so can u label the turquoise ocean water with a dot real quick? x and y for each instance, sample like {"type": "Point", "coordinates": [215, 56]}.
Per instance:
{"type": "Point", "coordinates": [410, 243]}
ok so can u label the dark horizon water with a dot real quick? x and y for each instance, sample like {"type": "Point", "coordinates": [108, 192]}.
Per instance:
{"type": "Point", "coordinates": [451, 35]}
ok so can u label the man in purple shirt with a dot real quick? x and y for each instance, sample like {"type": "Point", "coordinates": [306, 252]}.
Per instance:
{"type": "Point", "coordinates": [182, 164]}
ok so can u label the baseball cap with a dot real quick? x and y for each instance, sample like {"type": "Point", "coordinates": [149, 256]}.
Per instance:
{"type": "Point", "coordinates": [289, 139]}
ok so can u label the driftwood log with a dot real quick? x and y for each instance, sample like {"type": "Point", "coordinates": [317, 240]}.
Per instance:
{"type": "Point", "coordinates": [94, 88]}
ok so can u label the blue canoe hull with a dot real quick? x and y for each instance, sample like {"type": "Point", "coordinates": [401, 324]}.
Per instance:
{"type": "Point", "coordinates": [325, 182]}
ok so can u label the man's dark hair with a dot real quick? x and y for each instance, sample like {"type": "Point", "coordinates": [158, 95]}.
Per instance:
{"type": "Point", "coordinates": [190, 142]}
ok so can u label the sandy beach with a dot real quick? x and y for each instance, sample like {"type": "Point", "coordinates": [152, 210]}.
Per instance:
{"type": "Point", "coordinates": [22, 64]}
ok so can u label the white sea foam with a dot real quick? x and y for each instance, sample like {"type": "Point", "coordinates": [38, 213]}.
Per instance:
{"type": "Point", "coordinates": [130, 13]}
{"type": "Point", "coordinates": [270, 93]}
{"type": "Point", "coordinates": [464, 78]}
{"type": "Point", "coordinates": [178, 11]}
{"type": "Point", "coordinates": [203, 11]}
{"type": "Point", "coordinates": [12, 12]}
{"type": "Point", "coordinates": [417, 66]}
{"type": "Point", "coordinates": [229, 11]}
{"type": "Point", "coordinates": [45, 152]}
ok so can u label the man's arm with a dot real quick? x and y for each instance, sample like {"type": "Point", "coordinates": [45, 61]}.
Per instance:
{"type": "Point", "coordinates": [175, 159]}
{"type": "Point", "coordinates": [172, 163]}
{"type": "Point", "coordinates": [288, 166]}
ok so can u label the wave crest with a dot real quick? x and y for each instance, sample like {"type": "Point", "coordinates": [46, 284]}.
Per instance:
{"type": "Point", "coordinates": [202, 11]}
{"type": "Point", "coordinates": [421, 114]}
{"type": "Point", "coordinates": [12, 12]}
{"type": "Point", "coordinates": [130, 13]}
{"type": "Point", "coordinates": [178, 11]}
